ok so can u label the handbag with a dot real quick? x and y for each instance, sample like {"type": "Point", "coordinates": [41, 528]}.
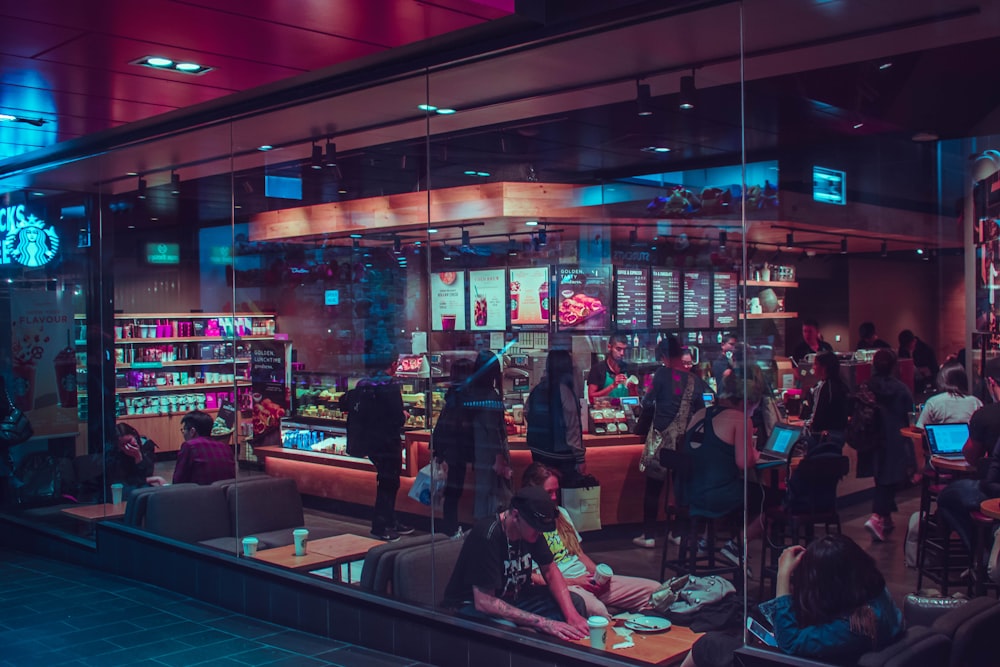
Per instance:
{"type": "Point", "coordinates": [15, 427]}
{"type": "Point", "coordinates": [667, 437]}
{"type": "Point", "coordinates": [681, 597]}
{"type": "Point", "coordinates": [583, 502]}
{"type": "Point", "coordinates": [429, 484]}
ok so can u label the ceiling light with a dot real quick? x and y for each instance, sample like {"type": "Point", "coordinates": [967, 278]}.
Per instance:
{"type": "Point", "coordinates": [356, 236]}
{"type": "Point", "coordinates": [432, 231]}
{"type": "Point", "coordinates": [643, 100]}
{"type": "Point", "coordinates": [162, 63]}
{"type": "Point", "coordinates": [465, 237]}
{"type": "Point", "coordinates": [37, 122]}
{"type": "Point", "coordinates": [723, 237]}
{"type": "Point", "coordinates": [188, 67]}
{"type": "Point", "coordinates": [920, 251]}
{"type": "Point", "coordinates": [858, 126]}
{"type": "Point", "coordinates": [885, 249]}
{"type": "Point", "coordinates": [531, 223]}
{"type": "Point", "coordinates": [37, 194]}
{"type": "Point", "coordinates": [843, 246]}
{"type": "Point", "coordinates": [317, 157]}
{"type": "Point", "coordinates": [688, 93]}
{"type": "Point", "coordinates": [884, 66]}
{"type": "Point", "coordinates": [655, 149]}
{"type": "Point", "coordinates": [331, 154]}
{"type": "Point", "coordinates": [156, 61]}
{"type": "Point", "coordinates": [445, 112]}
{"type": "Point", "coordinates": [543, 237]}
{"type": "Point", "coordinates": [427, 107]}
{"type": "Point", "coordinates": [483, 174]}
{"type": "Point", "coordinates": [470, 172]}
{"type": "Point", "coordinates": [175, 183]}
{"type": "Point", "coordinates": [7, 116]}
{"type": "Point", "coordinates": [789, 239]}
{"type": "Point", "coordinates": [265, 147]}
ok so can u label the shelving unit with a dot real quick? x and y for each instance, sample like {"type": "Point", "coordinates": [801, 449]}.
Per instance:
{"type": "Point", "coordinates": [779, 286]}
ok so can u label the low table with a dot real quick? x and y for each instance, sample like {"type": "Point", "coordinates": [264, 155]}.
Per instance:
{"type": "Point", "coordinates": [657, 648]}
{"type": "Point", "coordinates": [324, 552]}
{"type": "Point", "coordinates": [991, 508]}
{"type": "Point", "coordinates": [96, 512]}
{"type": "Point", "coordinates": [952, 465]}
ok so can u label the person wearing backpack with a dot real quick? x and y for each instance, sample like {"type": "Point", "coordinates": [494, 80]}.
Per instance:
{"type": "Point", "coordinates": [555, 433]}
{"type": "Point", "coordinates": [891, 460]}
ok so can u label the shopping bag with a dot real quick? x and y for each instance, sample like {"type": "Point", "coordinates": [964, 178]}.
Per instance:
{"type": "Point", "coordinates": [428, 485]}
{"type": "Point", "coordinates": [584, 505]}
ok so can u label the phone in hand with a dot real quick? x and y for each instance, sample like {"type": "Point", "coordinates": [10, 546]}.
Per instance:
{"type": "Point", "coordinates": [761, 633]}
{"type": "Point", "coordinates": [708, 398]}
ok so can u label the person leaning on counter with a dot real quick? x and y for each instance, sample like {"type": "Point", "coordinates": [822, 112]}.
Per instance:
{"type": "Point", "coordinates": [608, 379]}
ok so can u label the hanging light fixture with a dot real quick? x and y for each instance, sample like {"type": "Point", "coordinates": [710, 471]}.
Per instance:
{"type": "Point", "coordinates": [331, 154]}
{"type": "Point", "coordinates": [465, 237]}
{"type": "Point", "coordinates": [723, 237]}
{"type": "Point", "coordinates": [511, 247]}
{"type": "Point", "coordinates": [141, 192]}
{"type": "Point", "coordinates": [175, 183]}
{"type": "Point", "coordinates": [543, 237]}
{"type": "Point", "coordinates": [688, 93]}
{"type": "Point", "coordinates": [643, 99]}
{"type": "Point", "coordinates": [843, 246]}
{"type": "Point", "coordinates": [790, 240]}
{"type": "Point", "coordinates": [633, 236]}
{"type": "Point", "coordinates": [885, 249]}
{"type": "Point", "coordinates": [317, 157]}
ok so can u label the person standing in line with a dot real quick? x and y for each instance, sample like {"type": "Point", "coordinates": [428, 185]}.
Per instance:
{"type": "Point", "coordinates": [893, 462]}
{"type": "Point", "coordinates": [724, 362]}
{"type": "Point", "coordinates": [812, 341]}
{"type": "Point", "coordinates": [484, 400]}
{"type": "Point", "coordinates": [451, 441]}
{"type": "Point", "coordinates": [555, 432]}
{"type": "Point", "coordinates": [201, 459]}
{"type": "Point", "coordinates": [674, 388]}
{"type": "Point", "coordinates": [608, 378]}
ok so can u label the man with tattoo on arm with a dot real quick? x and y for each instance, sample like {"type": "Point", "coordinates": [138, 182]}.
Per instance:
{"type": "Point", "coordinates": [492, 578]}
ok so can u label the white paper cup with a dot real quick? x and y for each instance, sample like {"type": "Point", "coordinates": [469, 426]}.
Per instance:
{"type": "Point", "coordinates": [602, 574]}
{"type": "Point", "coordinates": [301, 536]}
{"type": "Point", "coordinates": [116, 493]}
{"type": "Point", "coordinates": [250, 546]}
{"type": "Point", "coordinates": [598, 631]}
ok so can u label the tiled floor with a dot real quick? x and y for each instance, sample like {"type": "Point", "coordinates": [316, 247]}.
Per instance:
{"type": "Point", "coordinates": [52, 613]}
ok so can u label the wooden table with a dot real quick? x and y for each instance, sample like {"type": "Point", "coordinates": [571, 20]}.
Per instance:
{"type": "Point", "coordinates": [325, 552]}
{"type": "Point", "coordinates": [952, 465]}
{"type": "Point", "coordinates": [96, 512]}
{"type": "Point", "coordinates": [991, 508]}
{"type": "Point", "coordinates": [656, 648]}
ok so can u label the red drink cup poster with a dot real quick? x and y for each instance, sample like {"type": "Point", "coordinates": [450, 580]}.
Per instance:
{"type": "Point", "coordinates": [488, 295]}
{"type": "Point", "coordinates": [528, 296]}
{"type": "Point", "coordinates": [448, 301]}
{"type": "Point", "coordinates": [43, 373]}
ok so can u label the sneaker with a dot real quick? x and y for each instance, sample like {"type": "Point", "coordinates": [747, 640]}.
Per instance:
{"type": "Point", "coordinates": [458, 534]}
{"type": "Point", "coordinates": [402, 529]}
{"type": "Point", "coordinates": [702, 549]}
{"type": "Point", "coordinates": [387, 535]}
{"type": "Point", "coordinates": [875, 526]}
{"type": "Point", "coordinates": [675, 539]}
{"type": "Point", "coordinates": [644, 542]}
{"type": "Point", "coordinates": [731, 552]}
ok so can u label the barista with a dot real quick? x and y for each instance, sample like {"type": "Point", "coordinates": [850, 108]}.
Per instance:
{"type": "Point", "coordinates": [812, 341]}
{"type": "Point", "coordinates": [608, 379]}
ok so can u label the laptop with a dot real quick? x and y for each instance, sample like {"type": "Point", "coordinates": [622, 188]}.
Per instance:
{"type": "Point", "coordinates": [779, 444]}
{"type": "Point", "coordinates": [946, 440]}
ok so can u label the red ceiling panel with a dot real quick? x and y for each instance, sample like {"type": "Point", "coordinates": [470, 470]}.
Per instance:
{"type": "Point", "coordinates": [29, 38]}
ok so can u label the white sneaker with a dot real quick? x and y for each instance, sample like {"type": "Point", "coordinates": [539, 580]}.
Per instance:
{"type": "Point", "coordinates": [675, 539]}
{"type": "Point", "coordinates": [644, 542]}
{"type": "Point", "coordinates": [875, 526]}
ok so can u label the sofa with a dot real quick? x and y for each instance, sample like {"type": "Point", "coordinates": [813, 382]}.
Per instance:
{"type": "Point", "coordinates": [219, 515]}
{"type": "Point", "coordinates": [403, 570]}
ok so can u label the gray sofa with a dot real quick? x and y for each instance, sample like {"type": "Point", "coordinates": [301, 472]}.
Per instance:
{"type": "Point", "coordinates": [221, 514]}
{"type": "Point", "coordinates": [403, 569]}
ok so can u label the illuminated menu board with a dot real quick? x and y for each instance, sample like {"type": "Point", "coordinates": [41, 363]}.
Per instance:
{"type": "Point", "coordinates": [448, 301]}
{"type": "Point", "coordinates": [697, 292]}
{"type": "Point", "coordinates": [666, 302]}
{"type": "Point", "coordinates": [725, 294]}
{"type": "Point", "coordinates": [632, 298]}
{"type": "Point", "coordinates": [488, 293]}
{"type": "Point", "coordinates": [584, 299]}
{"type": "Point", "coordinates": [528, 292]}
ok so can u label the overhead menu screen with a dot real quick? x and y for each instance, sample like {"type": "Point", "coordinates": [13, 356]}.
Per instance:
{"type": "Point", "coordinates": [666, 301]}
{"type": "Point", "coordinates": [632, 298]}
{"type": "Point", "coordinates": [724, 293]}
{"type": "Point", "coordinates": [697, 293]}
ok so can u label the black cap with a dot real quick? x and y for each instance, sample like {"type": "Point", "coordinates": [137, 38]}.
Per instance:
{"type": "Point", "coordinates": [534, 505]}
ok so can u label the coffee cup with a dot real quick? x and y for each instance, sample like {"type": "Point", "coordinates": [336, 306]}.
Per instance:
{"type": "Point", "coordinates": [116, 493]}
{"type": "Point", "coordinates": [250, 546]}
{"type": "Point", "coordinates": [602, 574]}
{"type": "Point", "coordinates": [598, 631]}
{"type": "Point", "coordinates": [301, 536]}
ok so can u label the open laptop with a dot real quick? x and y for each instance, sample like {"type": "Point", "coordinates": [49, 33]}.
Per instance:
{"type": "Point", "coordinates": [946, 440]}
{"type": "Point", "coordinates": [779, 444]}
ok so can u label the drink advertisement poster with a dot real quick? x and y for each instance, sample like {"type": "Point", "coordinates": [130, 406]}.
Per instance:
{"type": "Point", "coordinates": [584, 299]}
{"type": "Point", "coordinates": [528, 290]}
{"type": "Point", "coordinates": [487, 292]}
{"type": "Point", "coordinates": [448, 301]}
{"type": "Point", "coordinates": [43, 372]}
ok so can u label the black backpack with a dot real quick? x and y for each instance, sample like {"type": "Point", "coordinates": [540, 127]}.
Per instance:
{"type": "Point", "coordinates": [37, 480]}
{"type": "Point", "coordinates": [865, 431]}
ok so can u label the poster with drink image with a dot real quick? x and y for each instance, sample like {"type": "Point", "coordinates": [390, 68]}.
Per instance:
{"type": "Point", "coordinates": [43, 372]}
{"type": "Point", "coordinates": [448, 301]}
{"type": "Point", "coordinates": [487, 293]}
{"type": "Point", "coordinates": [528, 296]}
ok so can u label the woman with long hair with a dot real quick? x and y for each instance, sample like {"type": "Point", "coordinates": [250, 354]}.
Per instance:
{"type": "Point", "coordinates": [620, 592]}
{"type": "Point", "coordinates": [831, 604]}
{"type": "Point", "coordinates": [828, 402]}
{"type": "Point", "coordinates": [555, 433]}
{"type": "Point", "coordinates": [954, 405]}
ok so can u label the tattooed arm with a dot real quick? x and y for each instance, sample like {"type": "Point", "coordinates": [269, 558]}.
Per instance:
{"type": "Point", "coordinates": [489, 604]}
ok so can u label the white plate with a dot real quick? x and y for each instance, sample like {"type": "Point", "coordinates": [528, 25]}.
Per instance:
{"type": "Point", "coordinates": [647, 624]}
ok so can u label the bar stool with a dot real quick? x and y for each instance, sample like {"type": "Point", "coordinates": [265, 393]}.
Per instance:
{"type": "Point", "coordinates": [982, 539]}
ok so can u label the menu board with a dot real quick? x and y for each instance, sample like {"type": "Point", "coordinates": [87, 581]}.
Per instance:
{"type": "Point", "coordinates": [666, 289]}
{"type": "Point", "coordinates": [725, 296]}
{"type": "Point", "coordinates": [584, 299]}
{"type": "Point", "coordinates": [448, 301]}
{"type": "Point", "coordinates": [488, 295]}
{"type": "Point", "coordinates": [632, 298]}
{"type": "Point", "coordinates": [528, 290]}
{"type": "Point", "coordinates": [697, 291]}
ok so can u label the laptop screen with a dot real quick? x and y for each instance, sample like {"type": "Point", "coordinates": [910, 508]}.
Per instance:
{"type": "Point", "coordinates": [782, 438]}
{"type": "Point", "coordinates": [946, 438]}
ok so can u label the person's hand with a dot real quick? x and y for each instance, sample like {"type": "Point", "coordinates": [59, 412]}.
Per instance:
{"type": "Point", "coordinates": [581, 468]}
{"type": "Point", "coordinates": [789, 560]}
{"type": "Point", "coordinates": [156, 480]}
{"type": "Point", "coordinates": [131, 448]}
{"type": "Point", "coordinates": [597, 589]}
{"type": "Point", "coordinates": [565, 631]}
{"type": "Point", "coordinates": [621, 378]}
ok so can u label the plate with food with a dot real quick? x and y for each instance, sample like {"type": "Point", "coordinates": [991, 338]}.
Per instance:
{"type": "Point", "coordinates": [647, 624]}
{"type": "Point", "coordinates": [577, 309]}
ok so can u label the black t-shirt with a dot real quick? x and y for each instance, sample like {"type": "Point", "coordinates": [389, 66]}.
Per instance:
{"type": "Point", "coordinates": [984, 426]}
{"type": "Point", "coordinates": [491, 562]}
{"type": "Point", "coordinates": [802, 349]}
{"type": "Point", "coordinates": [598, 374]}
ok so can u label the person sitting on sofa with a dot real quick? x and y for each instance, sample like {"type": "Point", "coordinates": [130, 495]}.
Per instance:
{"type": "Point", "coordinates": [492, 577]}
{"type": "Point", "coordinates": [619, 592]}
{"type": "Point", "coordinates": [202, 460]}
{"type": "Point", "coordinates": [129, 461]}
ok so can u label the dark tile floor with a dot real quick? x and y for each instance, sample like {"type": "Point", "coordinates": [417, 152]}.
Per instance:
{"type": "Point", "coordinates": [53, 613]}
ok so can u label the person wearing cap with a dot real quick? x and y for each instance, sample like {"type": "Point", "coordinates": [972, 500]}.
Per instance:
{"type": "Point", "coordinates": [492, 577]}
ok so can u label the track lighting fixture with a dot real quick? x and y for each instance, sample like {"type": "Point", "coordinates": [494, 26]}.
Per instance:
{"type": "Point", "coordinates": [397, 245]}
{"type": "Point", "coordinates": [175, 183]}
{"type": "Point", "coordinates": [511, 247]}
{"type": "Point", "coordinates": [331, 154]}
{"type": "Point", "coordinates": [843, 246]}
{"type": "Point", "coordinates": [465, 237]}
{"type": "Point", "coordinates": [723, 237]}
{"type": "Point", "coordinates": [633, 236]}
{"type": "Point", "coordinates": [885, 249]}
{"type": "Point", "coordinates": [316, 162]}
{"type": "Point", "coordinates": [688, 93]}
{"type": "Point", "coordinates": [356, 244]}
{"type": "Point", "coordinates": [543, 237]}
{"type": "Point", "coordinates": [790, 240]}
{"type": "Point", "coordinates": [141, 192]}
{"type": "Point", "coordinates": [643, 99]}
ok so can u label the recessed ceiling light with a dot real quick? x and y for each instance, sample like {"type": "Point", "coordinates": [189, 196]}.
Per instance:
{"type": "Point", "coordinates": [432, 231]}
{"type": "Point", "coordinates": [469, 172]}
{"type": "Point", "coordinates": [356, 236]}
{"type": "Point", "coordinates": [427, 107]}
{"type": "Point", "coordinates": [265, 147]}
{"type": "Point", "coordinates": [188, 67]}
{"type": "Point", "coordinates": [342, 191]}
{"type": "Point", "coordinates": [445, 112]}
{"type": "Point", "coordinates": [655, 149]}
{"type": "Point", "coordinates": [37, 194]}
{"type": "Point", "coordinates": [532, 223]}
{"type": "Point", "coordinates": [132, 173]}
{"type": "Point", "coordinates": [162, 63]}
{"type": "Point", "coordinates": [156, 61]}
{"type": "Point", "coordinates": [7, 116]}
{"type": "Point", "coordinates": [885, 66]}
{"type": "Point", "coordinates": [484, 174]}
{"type": "Point", "coordinates": [858, 126]}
